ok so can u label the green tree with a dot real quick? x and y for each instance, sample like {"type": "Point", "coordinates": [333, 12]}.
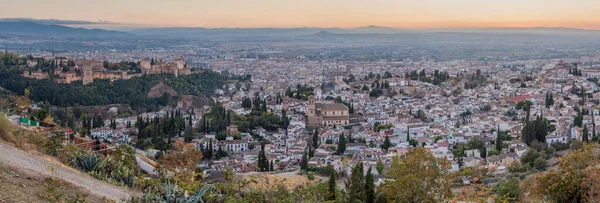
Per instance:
{"type": "Point", "coordinates": [341, 147]}
{"type": "Point", "coordinates": [41, 114]}
{"type": "Point", "coordinates": [509, 188]}
{"type": "Point", "coordinates": [386, 143]}
{"type": "Point", "coordinates": [585, 134]}
{"type": "Point", "coordinates": [498, 140]}
{"type": "Point", "coordinates": [304, 162]}
{"type": "Point", "coordinates": [525, 106]}
{"type": "Point", "coordinates": [315, 139]}
{"type": "Point", "coordinates": [380, 167]}
{"type": "Point", "coordinates": [369, 187]}
{"type": "Point", "coordinates": [540, 163]}
{"type": "Point", "coordinates": [355, 184]}
{"type": "Point", "coordinates": [263, 162]}
{"type": "Point", "coordinates": [381, 198]}
{"type": "Point", "coordinates": [332, 185]}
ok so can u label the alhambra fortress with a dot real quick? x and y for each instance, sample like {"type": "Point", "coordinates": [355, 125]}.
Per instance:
{"type": "Point", "coordinates": [88, 70]}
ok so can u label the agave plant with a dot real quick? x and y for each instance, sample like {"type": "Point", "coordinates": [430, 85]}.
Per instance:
{"type": "Point", "coordinates": [173, 195]}
{"type": "Point", "coordinates": [85, 161]}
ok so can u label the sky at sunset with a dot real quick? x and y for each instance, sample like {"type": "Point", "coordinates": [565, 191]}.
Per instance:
{"type": "Point", "coordinates": [317, 13]}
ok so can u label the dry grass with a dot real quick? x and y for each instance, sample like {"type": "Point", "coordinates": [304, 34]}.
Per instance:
{"type": "Point", "coordinates": [19, 137]}
{"type": "Point", "coordinates": [272, 182]}
{"type": "Point", "coordinates": [6, 130]}
{"type": "Point", "coordinates": [24, 186]}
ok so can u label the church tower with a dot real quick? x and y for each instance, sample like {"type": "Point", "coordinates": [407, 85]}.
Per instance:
{"type": "Point", "coordinates": [312, 112]}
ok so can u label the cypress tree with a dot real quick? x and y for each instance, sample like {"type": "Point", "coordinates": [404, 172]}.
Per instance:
{"type": "Point", "coordinates": [585, 134]}
{"type": "Point", "coordinates": [369, 187]}
{"type": "Point", "coordinates": [386, 143]}
{"type": "Point", "coordinates": [315, 139]}
{"type": "Point", "coordinates": [209, 151]}
{"type": "Point", "coordinates": [499, 140]}
{"type": "Point", "coordinates": [263, 162]}
{"type": "Point", "coordinates": [304, 162]}
{"type": "Point", "coordinates": [332, 185]}
{"type": "Point", "coordinates": [355, 184]}
{"type": "Point", "coordinates": [341, 148]}
{"type": "Point", "coordinates": [218, 155]}
{"type": "Point", "coordinates": [546, 101]}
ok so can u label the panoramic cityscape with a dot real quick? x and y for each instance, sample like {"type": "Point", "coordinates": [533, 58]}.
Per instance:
{"type": "Point", "coordinates": [299, 101]}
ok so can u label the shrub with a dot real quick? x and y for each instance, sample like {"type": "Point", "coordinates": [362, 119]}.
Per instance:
{"type": "Point", "coordinates": [5, 133]}
{"type": "Point", "coordinates": [540, 163]}
{"type": "Point", "coordinates": [559, 146]}
{"type": "Point", "coordinates": [509, 187]}
{"type": "Point", "coordinates": [576, 144]}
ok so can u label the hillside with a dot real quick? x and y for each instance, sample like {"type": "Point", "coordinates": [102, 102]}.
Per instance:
{"type": "Point", "coordinates": [159, 89]}
{"type": "Point", "coordinates": [31, 28]}
{"type": "Point", "coordinates": [133, 92]}
{"type": "Point", "coordinates": [17, 185]}
{"type": "Point", "coordinates": [40, 167]}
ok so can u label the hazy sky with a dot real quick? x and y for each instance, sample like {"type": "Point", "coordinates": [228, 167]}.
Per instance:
{"type": "Point", "coordinates": [317, 13]}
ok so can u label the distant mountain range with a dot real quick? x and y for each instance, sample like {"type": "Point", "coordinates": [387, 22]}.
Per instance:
{"type": "Point", "coordinates": [32, 28]}
{"type": "Point", "coordinates": [28, 26]}
{"type": "Point", "coordinates": [52, 21]}
{"type": "Point", "coordinates": [307, 31]}
{"type": "Point", "coordinates": [263, 32]}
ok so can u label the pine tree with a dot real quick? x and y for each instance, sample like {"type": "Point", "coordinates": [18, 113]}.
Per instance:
{"type": "Point", "coordinates": [408, 134]}
{"type": "Point", "coordinates": [311, 153]}
{"type": "Point", "coordinates": [271, 166]}
{"type": "Point", "coordinates": [369, 187]}
{"type": "Point", "coordinates": [355, 184]}
{"type": "Point", "coordinates": [332, 185]}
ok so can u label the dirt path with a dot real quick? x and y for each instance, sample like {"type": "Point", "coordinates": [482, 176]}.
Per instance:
{"type": "Point", "coordinates": [17, 158]}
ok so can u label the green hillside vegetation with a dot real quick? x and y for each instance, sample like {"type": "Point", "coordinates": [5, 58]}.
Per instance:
{"type": "Point", "coordinates": [132, 92]}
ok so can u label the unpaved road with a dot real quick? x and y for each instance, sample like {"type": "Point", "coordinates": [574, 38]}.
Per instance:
{"type": "Point", "coordinates": [14, 157]}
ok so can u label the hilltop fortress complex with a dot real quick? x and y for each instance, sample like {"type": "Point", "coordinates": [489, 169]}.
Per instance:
{"type": "Point", "coordinates": [88, 70]}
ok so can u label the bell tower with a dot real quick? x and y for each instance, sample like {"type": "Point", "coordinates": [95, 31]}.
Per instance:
{"type": "Point", "coordinates": [312, 112]}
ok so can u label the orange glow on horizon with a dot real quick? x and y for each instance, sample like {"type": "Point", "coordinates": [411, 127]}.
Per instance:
{"type": "Point", "coordinates": [416, 14]}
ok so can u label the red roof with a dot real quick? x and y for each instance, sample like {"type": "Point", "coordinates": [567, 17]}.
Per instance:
{"type": "Point", "coordinates": [518, 98]}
